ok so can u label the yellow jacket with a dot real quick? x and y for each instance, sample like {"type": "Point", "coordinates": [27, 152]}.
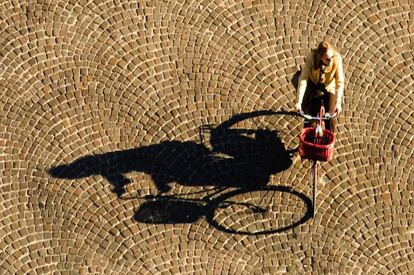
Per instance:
{"type": "Point", "coordinates": [333, 80]}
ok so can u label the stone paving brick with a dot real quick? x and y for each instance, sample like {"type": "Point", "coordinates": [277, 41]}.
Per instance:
{"type": "Point", "coordinates": [124, 93]}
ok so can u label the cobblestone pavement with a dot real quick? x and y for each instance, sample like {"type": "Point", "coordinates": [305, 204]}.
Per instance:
{"type": "Point", "coordinates": [132, 133]}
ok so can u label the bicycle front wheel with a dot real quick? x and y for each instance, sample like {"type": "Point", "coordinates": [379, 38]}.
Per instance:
{"type": "Point", "coordinates": [263, 210]}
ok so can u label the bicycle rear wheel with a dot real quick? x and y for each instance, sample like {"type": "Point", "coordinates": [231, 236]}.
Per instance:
{"type": "Point", "coordinates": [264, 210]}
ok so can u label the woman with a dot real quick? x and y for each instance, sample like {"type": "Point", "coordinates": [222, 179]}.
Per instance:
{"type": "Point", "coordinates": [324, 77]}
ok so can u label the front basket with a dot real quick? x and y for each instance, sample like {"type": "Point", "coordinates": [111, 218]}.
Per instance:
{"type": "Point", "coordinates": [313, 148]}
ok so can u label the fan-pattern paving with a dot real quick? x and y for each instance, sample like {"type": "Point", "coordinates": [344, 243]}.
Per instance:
{"type": "Point", "coordinates": [122, 90]}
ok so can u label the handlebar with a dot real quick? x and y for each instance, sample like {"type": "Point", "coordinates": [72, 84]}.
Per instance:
{"type": "Point", "coordinates": [326, 117]}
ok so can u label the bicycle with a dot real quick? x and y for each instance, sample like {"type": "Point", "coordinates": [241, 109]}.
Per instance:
{"type": "Point", "coordinates": [316, 144]}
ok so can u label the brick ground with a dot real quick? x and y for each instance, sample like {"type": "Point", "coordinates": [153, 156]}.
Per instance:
{"type": "Point", "coordinates": [134, 82]}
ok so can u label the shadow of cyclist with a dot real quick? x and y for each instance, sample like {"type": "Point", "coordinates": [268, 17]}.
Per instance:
{"type": "Point", "coordinates": [253, 156]}
{"type": "Point", "coordinates": [237, 157]}
{"type": "Point", "coordinates": [260, 151]}
{"type": "Point", "coordinates": [248, 158]}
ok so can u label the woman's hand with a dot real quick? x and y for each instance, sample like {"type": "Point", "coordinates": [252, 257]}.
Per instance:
{"type": "Point", "coordinates": [298, 107]}
{"type": "Point", "coordinates": [338, 108]}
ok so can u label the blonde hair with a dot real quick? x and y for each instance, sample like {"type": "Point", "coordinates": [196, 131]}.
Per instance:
{"type": "Point", "coordinates": [322, 48]}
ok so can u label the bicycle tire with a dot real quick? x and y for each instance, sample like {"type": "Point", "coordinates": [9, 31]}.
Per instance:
{"type": "Point", "coordinates": [315, 180]}
{"type": "Point", "coordinates": [234, 211]}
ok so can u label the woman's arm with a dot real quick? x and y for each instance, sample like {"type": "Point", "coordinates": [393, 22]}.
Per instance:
{"type": "Point", "coordinates": [340, 83]}
{"type": "Point", "coordinates": [303, 81]}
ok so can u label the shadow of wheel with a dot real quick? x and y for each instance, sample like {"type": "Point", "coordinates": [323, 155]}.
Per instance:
{"type": "Point", "coordinates": [262, 210]}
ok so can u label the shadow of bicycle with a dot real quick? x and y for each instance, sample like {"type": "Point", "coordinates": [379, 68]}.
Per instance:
{"type": "Point", "coordinates": [251, 211]}
{"type": "Point", "coordinates": [237, 158]}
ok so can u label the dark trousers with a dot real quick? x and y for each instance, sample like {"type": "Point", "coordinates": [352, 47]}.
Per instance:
{"type": "Point", "coordinates": [314, 95]}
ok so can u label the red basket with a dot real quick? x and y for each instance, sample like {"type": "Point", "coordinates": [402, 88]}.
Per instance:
{"type": "Point", "coordinates": [312, 148]}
